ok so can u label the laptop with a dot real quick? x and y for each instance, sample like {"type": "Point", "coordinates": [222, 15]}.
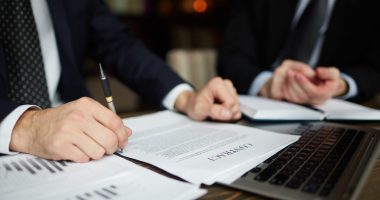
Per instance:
{"type": "Point", "coordinates": [329, 161]}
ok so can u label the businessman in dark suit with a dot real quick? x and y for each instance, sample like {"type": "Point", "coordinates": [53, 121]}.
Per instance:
{"type": "Point", "coordinates": [43, 46]}
{"type": "Point", "coordinates": [303, 51]}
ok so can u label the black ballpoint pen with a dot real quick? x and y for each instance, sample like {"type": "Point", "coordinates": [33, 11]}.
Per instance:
{"type": "Point", "coordinates": [107, 91]}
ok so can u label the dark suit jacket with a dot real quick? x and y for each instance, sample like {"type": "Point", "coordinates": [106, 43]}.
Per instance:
{"type": "Point", "coordinates": [86, 28]}
{"type": "Point", "coordinates": [258, 29]}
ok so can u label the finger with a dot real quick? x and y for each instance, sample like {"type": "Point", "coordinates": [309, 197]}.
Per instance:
{"type": "Point", "coordinates": [129, 133]}
{"type": "Point", "coordinates": [292, 95]}
{"type": "Point", "coordinates": [219, 112]}
{"type": "Point", "coordinates": [235, 107]}
{"type": "Point", "coordinates": [305, 69]}
{"type": "Point", "coordinates": [328, 73]}
{"type": "Point", "coordinates": [87, 145]}
{"type": "Point", "coordinates": [107, 118]}
{"type": "Point", "coordinates": [236, 113]}
{"type": "Point", "coordinates": [231, 89]}
{"type": "Point", "coordinates": [278, 80]}
{"type": "Point", "coordinates": [202, 110]}
{"type": "Point", "coordinates": [285, 91]}
{"type": "Point", "coordinates": [310, 89]}
{"type": "Point", "coordinates": [220, 92]}
{"type": "Point", "coordinates": [230, 86]}
{"type": "Point", "coordinates": [297, 90]}
{"type": "Point", "coordinates": [301, 67]}
{"type": "Point", "coordinates": [103, 136]}
{"type": "Point", "coordinates": [73, 153]}
{"type": "Point", "coordinates": [237, 116]}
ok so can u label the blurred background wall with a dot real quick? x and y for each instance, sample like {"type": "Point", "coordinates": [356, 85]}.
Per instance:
{"type": "Point", "coordinates": [185, 33]}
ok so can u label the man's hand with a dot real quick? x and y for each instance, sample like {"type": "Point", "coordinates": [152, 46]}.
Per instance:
{"type": "Point", "coordinates": [218, 100]}
{"type": "Point", "coordinates": [79, 131]}
{"type": "Point", "coordinates": [273, 88]}
{"type": "Point", "coordinates": [327, 84]}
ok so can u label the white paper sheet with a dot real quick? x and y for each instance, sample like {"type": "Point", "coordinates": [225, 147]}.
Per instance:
{"type": "Point", "coordinates": [260, 108]}
{"type": "Point", "coordinates": [199, 152]}
{"type": "Point", "coordinates": [27, 177]}
{"type": "Point", "coordinates": [343, 110]}
{"type": "Point", "coordinates": [228, 178]}
{"type": "Point", "coordinates": [137, 184]}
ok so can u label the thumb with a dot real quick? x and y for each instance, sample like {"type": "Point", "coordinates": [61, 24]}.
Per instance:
{"type": "Point", "coordinates": [219, 112]}
{"type": "Point", "coordinates": [307, 71]}
{"type": "Point", "coordinates": [328, 73]}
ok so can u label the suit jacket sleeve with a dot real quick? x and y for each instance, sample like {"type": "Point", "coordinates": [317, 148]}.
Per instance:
{"type": "Point", "coordinates": [364, 66]}
{"type": "Point", "coordinates": [352, 44]}
{"type": "Point", "coordinates": [237, 59]}
{"type": "Point", "coordinates": [126, 57]}
{"type": "Point", "coordinates": [6, 106]}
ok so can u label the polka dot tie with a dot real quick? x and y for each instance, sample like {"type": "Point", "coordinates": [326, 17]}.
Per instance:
{"type": "Point", "coordinates": [23, 57]}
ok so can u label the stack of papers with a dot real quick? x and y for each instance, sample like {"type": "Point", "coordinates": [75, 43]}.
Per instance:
{"type": "Point", "coordinates": [27, 177]}
{"type": "Point", "coordinates": [200, 152]}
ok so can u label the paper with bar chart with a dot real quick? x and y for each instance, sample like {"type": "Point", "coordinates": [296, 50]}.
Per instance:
{"type": "Point", "coordinates": [28, 177]}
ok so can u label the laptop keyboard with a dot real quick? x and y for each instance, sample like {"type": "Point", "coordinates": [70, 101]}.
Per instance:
{"type": "Point", "coordinates": [314, 163]}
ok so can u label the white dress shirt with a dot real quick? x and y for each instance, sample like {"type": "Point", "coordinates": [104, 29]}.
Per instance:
{"type": "Point", "coordinates": [264, 76]}
{"type": "Point", "coordinates": [52, 67]}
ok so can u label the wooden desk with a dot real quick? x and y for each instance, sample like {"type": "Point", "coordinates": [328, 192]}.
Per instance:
{"type": "Point", "coordinates": [371, 190]}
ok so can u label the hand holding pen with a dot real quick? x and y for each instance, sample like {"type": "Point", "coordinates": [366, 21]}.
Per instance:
{"type": "Point", "coordinates": [107, 92]}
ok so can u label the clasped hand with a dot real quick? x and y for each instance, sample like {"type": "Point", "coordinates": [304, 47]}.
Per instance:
{"type": "Point", "coordinates": [297, 82]}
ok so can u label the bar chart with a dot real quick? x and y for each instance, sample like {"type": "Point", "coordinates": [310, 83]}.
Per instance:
{"type": "Point", "coordinates": [111, 178]}
{"type": "Point", "coordinates": [34, 166]}
{"type": "Point", "coordinates": [108, 192]}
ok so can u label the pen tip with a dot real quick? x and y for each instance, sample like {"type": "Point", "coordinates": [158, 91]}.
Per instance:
{"type": "Point", "coordinates": [101, 71]}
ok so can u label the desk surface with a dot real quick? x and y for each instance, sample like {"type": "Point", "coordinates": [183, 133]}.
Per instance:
{"type": "Point", "coordinates": [370, 191]}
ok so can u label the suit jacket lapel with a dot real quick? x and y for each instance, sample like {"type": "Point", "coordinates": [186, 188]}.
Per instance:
{"type": "Point", "coordinates": [62, 32]}
{"type": "Point", "coordinates": [71, 85]}
{"type": "Point", "coordinates": [280, 15]}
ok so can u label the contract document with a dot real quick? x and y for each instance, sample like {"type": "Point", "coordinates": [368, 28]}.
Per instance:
{"type": "Point", "coordinates": [200, 152]}
{"type": "Point", "coordinates": [27, 177]}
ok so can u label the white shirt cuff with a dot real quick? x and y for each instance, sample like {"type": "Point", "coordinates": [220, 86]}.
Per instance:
{"type": "Point", "coordinates": [352, 87]}
{"type": "Point", "coordinates": [7, 125]}
{"type": "Point", "coordinates": [171, 97]}
{"type": "Point", "coordinates": [259, 82]}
